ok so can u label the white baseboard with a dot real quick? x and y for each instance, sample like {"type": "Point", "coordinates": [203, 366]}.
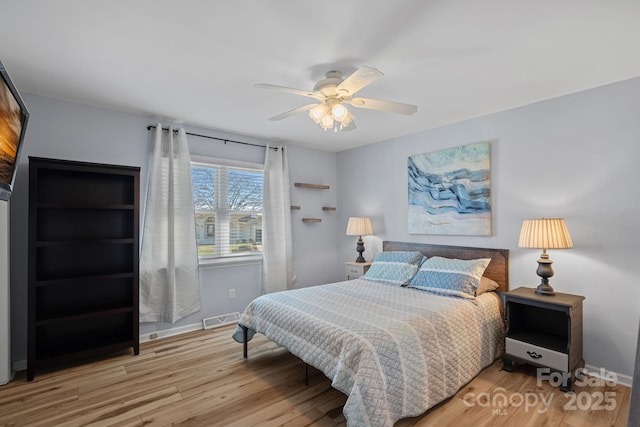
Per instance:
{"type": "Point", "coordinates": [19, 365]}
{"type": "Point", "coordinates": [625, 380]}
{"type": "Point", "coordinates": [165, 333]}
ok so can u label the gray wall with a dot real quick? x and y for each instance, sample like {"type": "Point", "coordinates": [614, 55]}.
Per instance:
{"type": "Point", "coordinates": [66, 130]}
{"type": "Point", "coordinates": [574, 157]}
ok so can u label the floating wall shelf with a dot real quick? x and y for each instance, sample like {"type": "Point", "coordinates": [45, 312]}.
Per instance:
{"type": "Point", "coordinates": [314, 186]}
{"type": "Point", "coordinates": [311, 220]}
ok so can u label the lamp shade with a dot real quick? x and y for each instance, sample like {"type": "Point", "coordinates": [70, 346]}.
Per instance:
{"type": "Point", "coordinates": [545, 233]}
{"type": "Point", "coordinates": [359, 226]}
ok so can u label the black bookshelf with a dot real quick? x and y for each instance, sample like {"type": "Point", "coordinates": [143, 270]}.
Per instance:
{"type": "Point", "coordinates": [83, 261]}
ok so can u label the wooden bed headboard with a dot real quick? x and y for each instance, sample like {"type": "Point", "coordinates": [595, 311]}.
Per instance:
{"type": "Point", "coordinates": [497, 270]}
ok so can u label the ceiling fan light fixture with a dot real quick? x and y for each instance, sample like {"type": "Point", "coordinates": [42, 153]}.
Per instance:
{"type": "Point", "coordinates": [330, 114]}
{"type": "Point", "coordinates": [348, 119]}
{"type": "Point", "coordinates": [326, 122]}
{"type": "Point", "coordinates": [331, 95]}
{"type": "Point", "coordinates": [339, 112]}
{"type": "Point", "coordinates": [318, 112]}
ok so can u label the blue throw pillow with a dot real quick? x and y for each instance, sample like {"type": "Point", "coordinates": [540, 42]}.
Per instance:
{"type": "Point", "coordinates": [394, 266]}
{"type": "Point", "coordinates": [453, 277]}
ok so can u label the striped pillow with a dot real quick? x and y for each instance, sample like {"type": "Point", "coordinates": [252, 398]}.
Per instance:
{"type": "Point", "coordinates": [452, 277]}
{"type": "Point", "coordinates": [394, 266]}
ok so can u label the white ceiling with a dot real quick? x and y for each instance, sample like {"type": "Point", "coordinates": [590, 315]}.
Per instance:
{"type": "Point", "coordinates": [196, 61]}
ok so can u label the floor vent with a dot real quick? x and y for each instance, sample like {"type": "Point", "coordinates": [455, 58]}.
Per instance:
{"type": "Point", "coordinates": [220, 320]}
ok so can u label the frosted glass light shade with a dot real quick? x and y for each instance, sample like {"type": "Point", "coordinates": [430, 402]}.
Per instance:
{"type": "Point", "coordinates": [359, 226]}
{"type": "Point", "coordinates": [318, 112]}
{"type": "Point", "coordinates": [326, 122]}
{"type": "Point", "coordinates": [339, 112]}
{"type": "Point", "coordinates": [347, 120]}
{"type": "Point", "coordinates": [330, 112]}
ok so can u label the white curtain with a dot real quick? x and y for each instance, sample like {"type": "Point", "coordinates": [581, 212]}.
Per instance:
{"type": "Point", "coordinates": [169, 283]}
{"type": "Point", "coordinates": [278, 272]}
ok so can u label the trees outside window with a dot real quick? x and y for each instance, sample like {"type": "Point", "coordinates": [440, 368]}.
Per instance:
{"type": "Point", "coordinates": [228, 209]}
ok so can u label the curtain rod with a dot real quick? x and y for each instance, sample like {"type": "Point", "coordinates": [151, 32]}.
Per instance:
{"type": "Point", "coordinates": [219, 139]}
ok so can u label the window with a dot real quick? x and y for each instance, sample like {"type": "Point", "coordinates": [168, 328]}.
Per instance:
{"type": "Point", "coordinates": [228, 205]}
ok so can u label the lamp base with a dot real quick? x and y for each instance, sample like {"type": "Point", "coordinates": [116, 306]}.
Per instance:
{"type": "Point", "coordinates": [360, 249]}
{"type": "Point", "coordinates": [545, 290]}
{"type": "Point", "coordinates": [545, 271]}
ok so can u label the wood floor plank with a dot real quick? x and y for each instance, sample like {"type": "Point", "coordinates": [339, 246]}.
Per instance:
{"type": "Point", "coordinates": [27, 412]}
{"type": "Point", "coordinates": [104, 410]}
{"type": "Point", "coordinates": [282, 411]}
{"type": "Point", "coordinates": [623, 408]}
{"type": "Point", "coordinates": [201, 379]}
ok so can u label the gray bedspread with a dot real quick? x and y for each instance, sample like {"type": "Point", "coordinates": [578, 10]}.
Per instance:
{"type": "Point", "coordinates": [395, 351]}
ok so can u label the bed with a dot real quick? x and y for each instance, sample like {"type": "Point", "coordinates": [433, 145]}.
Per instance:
{"type": "Point", "coordinates": [395, 348]}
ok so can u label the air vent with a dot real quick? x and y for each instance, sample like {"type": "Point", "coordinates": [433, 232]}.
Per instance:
{"type": "Point", "coordinates": [220, 320]}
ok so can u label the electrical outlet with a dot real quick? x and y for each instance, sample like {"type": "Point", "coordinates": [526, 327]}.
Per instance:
{"type": "Point", "coordinates": [232, 293]}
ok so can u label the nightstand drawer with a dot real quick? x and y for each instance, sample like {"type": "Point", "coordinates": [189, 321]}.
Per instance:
{"type": "Point", "coordinates": [354, 270]}
{"type": "Point", "coordinates": [540, 355]}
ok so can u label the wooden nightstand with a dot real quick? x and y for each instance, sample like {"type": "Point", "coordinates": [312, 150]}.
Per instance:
{"type": "Point", "coordinates": [544, 331]}
{"type": "Point", "coordinates": [354, 269]}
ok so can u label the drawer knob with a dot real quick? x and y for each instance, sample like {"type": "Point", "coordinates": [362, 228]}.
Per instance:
{"type": "Point", "coordinates": [534, 355]}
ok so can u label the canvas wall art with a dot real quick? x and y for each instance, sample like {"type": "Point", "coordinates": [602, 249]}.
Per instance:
{"type": "Point", "coordinates": [450, 191]}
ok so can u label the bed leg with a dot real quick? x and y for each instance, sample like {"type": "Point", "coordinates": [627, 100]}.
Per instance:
{"type": "Point", "coordinates": [245, 340]}
{"type": "Point", "coordinates": [306, 374]}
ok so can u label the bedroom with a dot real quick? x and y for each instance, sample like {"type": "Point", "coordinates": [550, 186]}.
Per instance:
{"type": "Point", "coordinates": [572, 156]}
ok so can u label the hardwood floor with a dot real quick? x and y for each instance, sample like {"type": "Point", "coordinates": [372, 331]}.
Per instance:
{"type": "Point", "coordinates": [201, 379]}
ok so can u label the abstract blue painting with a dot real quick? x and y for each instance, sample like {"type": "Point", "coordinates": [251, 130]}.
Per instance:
{"type": "Point", "coordinates": [450, 191]}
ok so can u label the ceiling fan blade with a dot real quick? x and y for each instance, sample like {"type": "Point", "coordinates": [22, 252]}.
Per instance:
{"type": "Point", "coordinates": [294, 91]}
{"type": "Point", "coordinates": [292, 112]}
{"type": "Point", "coordinates": [378, 104]}
{"type": "Point", "coordinates": [359, 79]}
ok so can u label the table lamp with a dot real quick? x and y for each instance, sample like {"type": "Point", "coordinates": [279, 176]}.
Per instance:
{"type": "Point", "coordinates": [545, 233]}
{"type": "Point", "coordinates": [359, 226]}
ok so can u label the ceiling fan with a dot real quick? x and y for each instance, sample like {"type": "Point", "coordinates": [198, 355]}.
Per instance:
{"type": "Point", "coordinates": [333, 93]}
